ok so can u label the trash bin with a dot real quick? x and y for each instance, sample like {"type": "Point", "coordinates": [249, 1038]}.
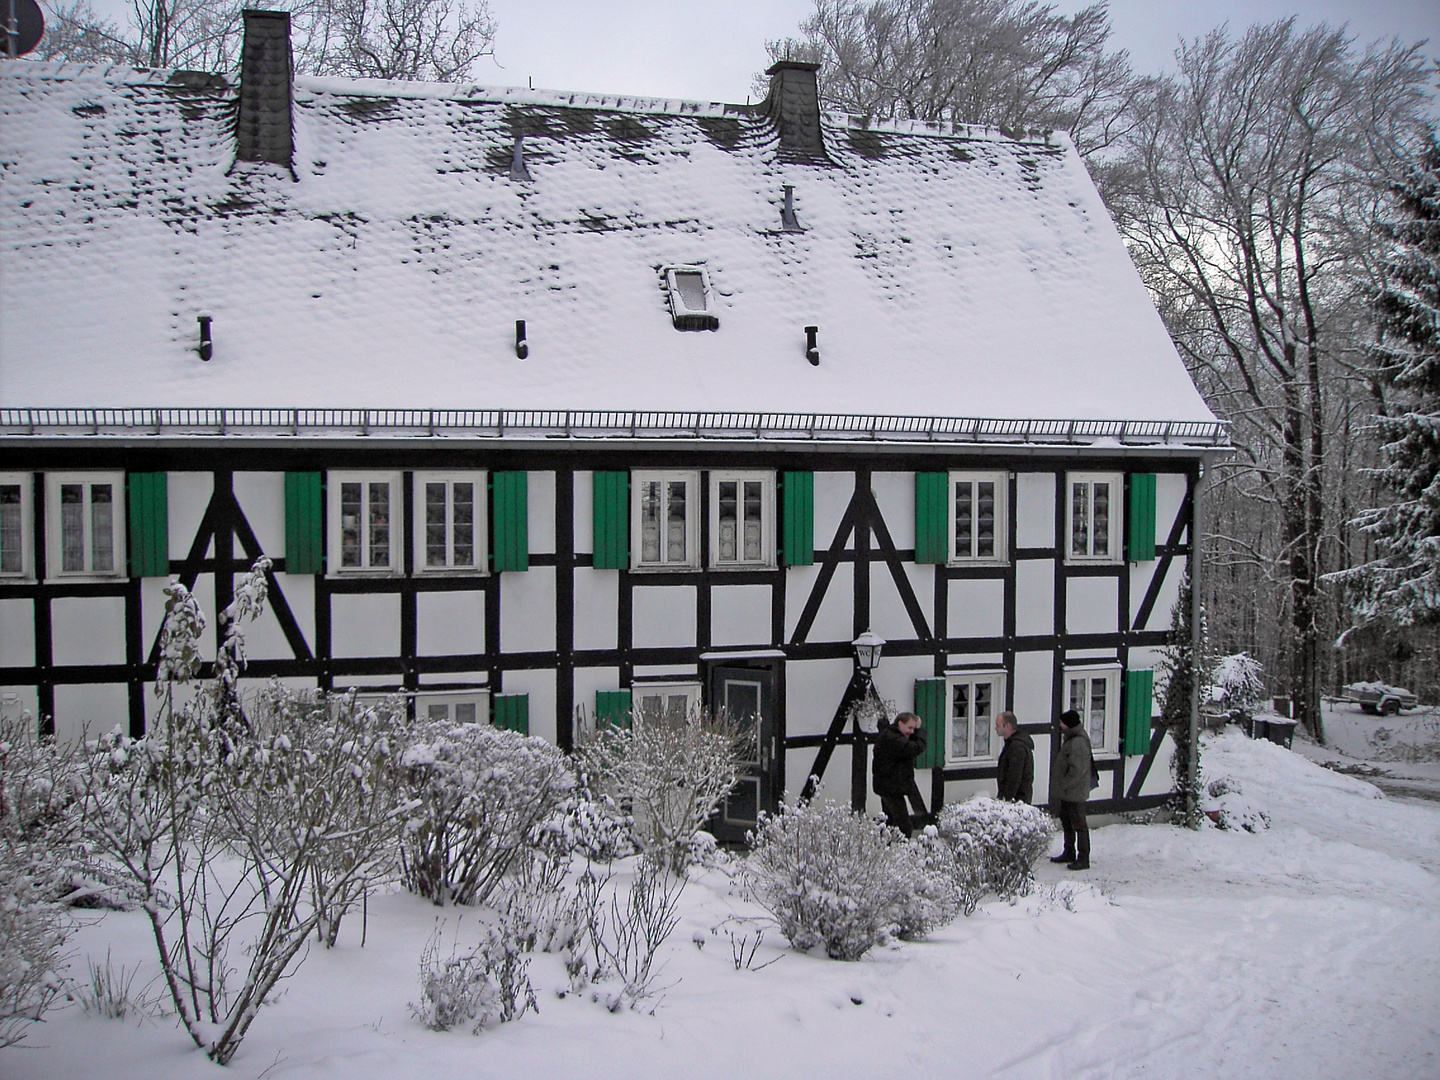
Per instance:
{"type": "Point", "coordinates": [1279, 730]}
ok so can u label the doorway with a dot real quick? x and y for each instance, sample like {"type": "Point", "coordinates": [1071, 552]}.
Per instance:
{"type": "Point", "coordinates": [747, 694]}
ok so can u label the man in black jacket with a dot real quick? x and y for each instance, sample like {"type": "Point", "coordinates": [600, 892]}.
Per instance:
{"type": "Point", "coordinates": [1015, 780]}
{"type": "Point", "coordinates": [897, 746]}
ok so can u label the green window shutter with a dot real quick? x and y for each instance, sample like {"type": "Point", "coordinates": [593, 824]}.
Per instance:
{"type": "Point", "coordinates": [510, 520]}
{"type": "Point", "coordinates": [930, 707]}
{"type": "Point", "coordinates": [1139, 693]}
{"type": "Point", "coordinates": [512, 712]}
{"type": "Point", "coordinates": [612, 520]}
{"type": "Point", "coordinates": [1142, 518]}
{"type": "Point", "coordinates": [932, 521]}
{"type": "Point", "coordinates": [612, 708]}
{"type": "Point", "coordinates": [149, 525]}
{"type": "Point", "coordinates": [797, 541]}
{"type": "Point", "coordinates": [304, 545]}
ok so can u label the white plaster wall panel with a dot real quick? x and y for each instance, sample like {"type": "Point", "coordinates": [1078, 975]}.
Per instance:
{"type": "Point", "coordinates": [90, 709]}
{"type": "Point", "coordinates": [676, 672]}
{"type": "Point", "coordinates": [1142, 659]}
{"type": "Point", "coordinates": [1092, 605]}
{"type": "Point", "coordinates": [1033, 675]}
{"type": "Point", "coordinates": [895, 495]}
{"type": "Point", "coordinates": [540, 685]}
{"type": "Point", "coordinates": [265, 640]}
{"type": "Point", "coordinates": [364, 624]}
{"type": "Point", "coordinates": [527, 610]}
{"type": "Point", "coordinates": [453, 678]}
{"type": "Point", "coordinates": [588, 681]}
{"type": "Point", "coordinates": [450, 623]}
{"type": "Point", "coordinates": [888, 616]}
{"type": "Point", "coordinates": [895, 681]}
{"type": "Point", "coordinates": [1043, 752]}
{"type": "Point", "coordinates": [597, 603]}
{"type": "Point", "coordinates": [813, 689]}
{"type": "Point", "coordinates": [1158, 780]}
{"type": "Point", "coordinates": [540, 492]}
{"type": "Point", "coordinates": [1034, 597]}
{"type": "Point", "coordinates": [833, 491]}
{"type": "Point", "coordinates": [970, 659]}
{"type": "Point", "coordinates": [299, 590]}
{"type": "Point", "coordinates": [88, 629]}
{"type": "Point", "coordinates": [975, 608]}
{"type": "Point", "coordinates": [187, 494]}
{"type": "Point", "coordinates": [1140, 577]}
{"type": "Point", "coordinates": [18, 702]}
{"type": "Point", "coordinates": [387, 683]}
{"type": "Point", "coordinates": [958, 791]}
{"type": "Point", "coordinates": [261, 496]}
{"type": "Point", "coordinates": [834, 785]}
{"type": "Point", "coordinates": [17, 633]}
{"type": "Point", "coordinates": [664, 615]}
{"type": "Point", "coordinates": [833, 620]}
{"type": "Point", "coordinates": [922, 584]}
{"type": "Point", "coordinates": [1169, 495]}
{"type": "Point", "coordinates": [1035, 510]}
{"type": "Point", "coordinates": [585, 511]}
{"type": "Point", "coordinates": [740, 615]}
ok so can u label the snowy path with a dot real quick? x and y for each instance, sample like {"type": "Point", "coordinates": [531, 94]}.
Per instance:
{"type": "Point", "coordinates": [1309, 950]}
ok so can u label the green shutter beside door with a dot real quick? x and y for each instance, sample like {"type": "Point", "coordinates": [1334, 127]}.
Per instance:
{"type": "Point", "coordinates": [304, 544]}
{"type": "Point", "coordinates": [510, 518]}
{"type": "Point", "coordinates": [1139, 696]}
{"type": "Point", "coordinates": [1141, 532]}
{"type": "Point", "coordinates": [612, 709]}
{"type": "Point", "coordinates": [932, 521]}
{"type": "Point", "coordinates": [612, 520]}
{"type": "Point", "coordinates": [149, 525]}
{"type": "Point", "coordinates": [930, 707]}
{"type": "Point", "coordinates": [797, 541]}
{"type": "Point", "coordinates": [511, 712]}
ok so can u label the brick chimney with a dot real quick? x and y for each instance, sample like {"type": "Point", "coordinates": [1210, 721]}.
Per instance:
{"type": "Point", "coordinates": [793, 106]}
{"type": "Point", "coordinates": [263, 129]}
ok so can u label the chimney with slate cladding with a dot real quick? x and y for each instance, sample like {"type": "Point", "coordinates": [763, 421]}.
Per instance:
{"type": "Point", "coordinates": [263, 131]}
{"type": "Point", "coordinates": [793, 106]}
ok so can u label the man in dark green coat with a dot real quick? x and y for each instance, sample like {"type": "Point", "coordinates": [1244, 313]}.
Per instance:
{"type": "Point", "coordinates": [1070, 789]}
{"type": "Point", "coordinates": [1015, 772]}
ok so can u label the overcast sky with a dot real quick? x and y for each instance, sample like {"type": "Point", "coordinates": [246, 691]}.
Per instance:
{"type": "Point", "coordinates": [708, 49]}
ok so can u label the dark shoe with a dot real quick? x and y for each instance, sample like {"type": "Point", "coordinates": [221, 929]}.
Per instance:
{"type": "Point", "coordinates": [1079, 864]}
{"type": "Point", "coordinates": [1064, 857]}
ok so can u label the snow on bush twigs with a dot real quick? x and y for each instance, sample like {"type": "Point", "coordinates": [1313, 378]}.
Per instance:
{"type": "Point", "coordinates": [32, 934]}
{"type": "Point", "coordinates": [490, 984]}
{"type": "Point", "coordinates": [1009, 838]}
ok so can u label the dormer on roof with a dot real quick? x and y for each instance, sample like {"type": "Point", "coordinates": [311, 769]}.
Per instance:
{"type": "Point", "coordinates": [264, 125]}
{"type": "Point", "coordinates": [793, 106]}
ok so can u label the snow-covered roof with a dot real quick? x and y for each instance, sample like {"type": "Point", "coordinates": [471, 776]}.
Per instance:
{"type": "Point", "coordinates": [951, 273]}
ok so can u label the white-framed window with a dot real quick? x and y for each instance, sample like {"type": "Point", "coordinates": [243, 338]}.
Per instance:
{"type": "Point", "coordinates": [1094, 692]}
{"type": "Point", "coordinates": [450, 522]}
{"type": "Point", "coordinates": [673, 701]}
{"type": "Point", "coordinates": [1094, 518]}
{"type": "Point", "coordinates": [692, 304]}
{"type": "Point", "coordinates": [15, 528]}
{"type": "Point", "coordinates": [978, 517]}
{"type": "Point", "coordinates": [85, 524]}
{"type": "Point", "coordinates": [666, 505]}
{"type": "Point", "coordinates": [365, 523]}
{"type": "Point", "coordinates": [973, 698]}
{"type": "Point", "coordinates": [742, 519]}
{"type": "Point", "coordinates": [457, 706]}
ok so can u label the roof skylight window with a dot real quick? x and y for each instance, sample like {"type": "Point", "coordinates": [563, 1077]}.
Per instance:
{"type": "Point", "coordinates": [691, 302]}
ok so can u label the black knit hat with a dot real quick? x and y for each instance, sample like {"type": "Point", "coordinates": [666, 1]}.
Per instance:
{"type": "Point", "coordinates": [1069, 718]}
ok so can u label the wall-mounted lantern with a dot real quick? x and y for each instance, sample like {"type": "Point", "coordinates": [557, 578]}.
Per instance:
{"type": "Point", "coordinates": [867, 650]}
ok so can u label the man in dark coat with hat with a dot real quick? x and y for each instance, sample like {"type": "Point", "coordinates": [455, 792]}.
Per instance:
{"type": "Point", "coordinates": [1070, 790]}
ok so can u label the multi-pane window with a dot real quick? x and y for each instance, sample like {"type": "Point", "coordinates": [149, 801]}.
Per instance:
{"type": "Point", "coordinates": [742, 519]}
{"type": "Point", "coordinates": [450, 522]}
{"type": "Point", "coordinates": [688, 288]}
{"type": "Point", "coordinates": [1094, 693]}
{"type": "Point", "coordinates": [14, 524]}
{"type": "Point", "coordinates": [1093, 517]}
{"type": "Point", "coordinates": [665, 512]}
{"type": "Point", "coordinates": [461, 707]}
{"type": "Point", "coordinates": [671, 702]}
{"type": "Point", "coordinates": [365, 532]}
{"type": "Point", "coordinates": [86, 523]}
{"type": "Point", "coordinates": [974, 701]}
{"type": "Point", "coordinates": [977, 517]}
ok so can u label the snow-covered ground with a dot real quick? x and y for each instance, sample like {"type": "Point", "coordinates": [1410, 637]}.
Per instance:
{"type": "Point", "coordinates": [1311, 949]}
{"type": "Point", "coordinates": [1400, 754]}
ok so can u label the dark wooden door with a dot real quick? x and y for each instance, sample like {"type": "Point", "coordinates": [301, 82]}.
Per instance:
{"type": "Point", "coordinates": [748, 695]}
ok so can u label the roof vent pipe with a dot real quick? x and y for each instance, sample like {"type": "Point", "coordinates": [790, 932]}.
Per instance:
{"type": "Point", "coordinates": [207, 347]}
{"type": "Point", "coordinates": [522, 347]}
{"type": "Point", "coordinates": [812, 352]}
{"type": "Point", "coordinates": [263, 130]}
{"type": "Point", "coordinates": [517, 160]}
{"type": "Point", "coordinates": [788, 221]}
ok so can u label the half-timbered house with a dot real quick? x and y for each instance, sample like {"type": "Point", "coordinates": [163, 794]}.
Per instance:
{"type": "Point", "coordinates": [547, 406]}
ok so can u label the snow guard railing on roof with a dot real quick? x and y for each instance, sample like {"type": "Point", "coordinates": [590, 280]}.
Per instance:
{"type": "Point", "coordinates": [578, 424]}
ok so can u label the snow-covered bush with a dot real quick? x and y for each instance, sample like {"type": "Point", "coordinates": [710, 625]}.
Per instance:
{"type": "Point", "coordinates": [830, 877]}
{"type": "Point", "coordinates": [1227, 805]}
{"type": "Point", "coordinates": [624, 937]}
{"type": "Point", "coordinates": [588, 826]}
{"type": "Point", "coordinates": [1010, 839]}
{"type": "Point", "coordinates": [489, 985]}
{"type": "Point", "coordinates": [672, 771]}
{"type": "Point", "coordinates": [32, 934]}
{"type": "Point", "coordinates": [1237, 686]}
{"type": "Point", "coordinates": [935, 895]}
{"type": "Point", "coordinates": [111, 993]}
{"type": "Point", "coordinates": [481, 794]}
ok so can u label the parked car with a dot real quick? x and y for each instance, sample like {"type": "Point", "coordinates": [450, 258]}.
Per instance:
{"type": "Point", "coordinates": [1377, 697]}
